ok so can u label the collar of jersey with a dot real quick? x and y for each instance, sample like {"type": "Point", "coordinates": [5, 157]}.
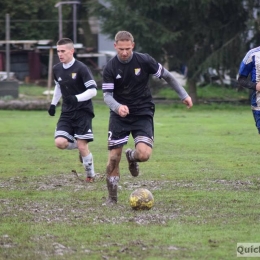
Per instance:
{"type": "Point", "coordinates": [68, 65]}
{"type": "Point", "coordinates": [125, 61]}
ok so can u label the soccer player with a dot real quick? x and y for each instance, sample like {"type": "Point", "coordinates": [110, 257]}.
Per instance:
{"type": "Point", "coordinates": [250, 66]}
{"type": "Point", "coordinates": [75, 84]}
{"type": "Point", "coordinates": [126, 92]}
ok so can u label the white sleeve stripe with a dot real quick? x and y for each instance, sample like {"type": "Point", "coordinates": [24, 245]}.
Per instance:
{"type": "Point", "coordinates": [159, 71]}
{"type": "Point", "coordinates": [108, 86]}
{"type": "Point", "coordinates": [90, 83]}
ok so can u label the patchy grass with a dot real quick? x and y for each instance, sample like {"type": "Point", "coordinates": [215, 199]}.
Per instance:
{"type": "Point", "coordinates": [203, 175]}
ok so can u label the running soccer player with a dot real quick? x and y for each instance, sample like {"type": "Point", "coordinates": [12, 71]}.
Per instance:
{"type": "Point", "coordinates": [250, 65]}
{"type": "Point", "coordinates": [127, 94]}
{"type": "Point", "coordinates": [75, 84]}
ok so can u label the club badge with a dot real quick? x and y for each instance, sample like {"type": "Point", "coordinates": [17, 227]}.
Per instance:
{"type": "Point", "coordinates": [137, 71]}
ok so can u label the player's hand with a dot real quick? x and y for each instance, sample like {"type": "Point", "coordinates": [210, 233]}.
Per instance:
{"type": "Point", "coordinates": [257, 86]}
{"type": "Point", "coordinates": [52, 110]}
{"type": "Point", "coordinates": [123, 111]}
{"type": "Point", "coordinates": [188, 102]}
{"type": "Point", "coordinates": [70, 100]}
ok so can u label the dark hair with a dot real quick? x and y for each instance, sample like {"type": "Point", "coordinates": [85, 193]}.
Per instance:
{"type": "Point", "coordinates": [124, 36]}
{"type": "Point", "coordinates": [64, 41]}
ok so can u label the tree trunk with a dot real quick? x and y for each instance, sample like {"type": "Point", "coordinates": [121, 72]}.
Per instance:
{"type": "Point", "coordinates": [24, 105]}
{"type": "Point", "coordinates": [192, 90]}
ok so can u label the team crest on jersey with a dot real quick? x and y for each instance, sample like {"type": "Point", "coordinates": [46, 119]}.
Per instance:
{"type": "Point", "coordinates": [137, 71]}
{"type": "Point", "coordinates": [73, 75]}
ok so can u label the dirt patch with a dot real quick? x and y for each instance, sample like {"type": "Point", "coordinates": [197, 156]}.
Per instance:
{"type": "Point", "coordinates": [73, 205]}
{"type": "Point", "coordinates": [76, 208]}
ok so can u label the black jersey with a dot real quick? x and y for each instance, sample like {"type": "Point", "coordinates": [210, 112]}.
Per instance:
{"type": "Point", "coordinates": [129, 82]}
{"type": "Point", "coordinates": [73, 81]}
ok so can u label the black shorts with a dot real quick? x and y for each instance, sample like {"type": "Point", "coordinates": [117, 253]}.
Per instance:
{"type": "Point", "coordinates": [75, 125]}
{"type": "Point", "coordinates": [141, 127]}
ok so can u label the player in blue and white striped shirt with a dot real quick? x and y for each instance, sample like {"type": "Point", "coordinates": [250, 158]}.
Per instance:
{"type": "Point", "coordinates": [250, 65]}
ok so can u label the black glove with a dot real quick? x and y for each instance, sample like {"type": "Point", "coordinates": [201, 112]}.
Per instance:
{"type": "Point", "coordinates": [70, 100]}
{"type": "Point", "coordinates": [51, 110]}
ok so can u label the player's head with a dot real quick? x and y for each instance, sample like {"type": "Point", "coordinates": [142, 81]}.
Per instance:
{"type": "Point", "coordinates": [124, 44]}
{"type": "Point", "coordinates": [124, 36]}
{"type": "Point", "coordinates": [65, 50]}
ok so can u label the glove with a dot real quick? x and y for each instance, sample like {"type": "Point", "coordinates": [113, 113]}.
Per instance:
{"type": "Point", "coordinates": [51, 110]}
{"type": "Point", "coordinates": [70, 100]}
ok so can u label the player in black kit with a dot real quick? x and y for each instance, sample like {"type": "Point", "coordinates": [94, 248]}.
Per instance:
{"type": "Point", "coordinates": [75, 84]}
{"type": "Point", "coordinates": [127, 94]}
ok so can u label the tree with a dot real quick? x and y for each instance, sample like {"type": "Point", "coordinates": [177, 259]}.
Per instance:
{"type": "Point", "coordinates": [30, 20]}
{"type": "Point", "coordinates": [198, 34]}
{"type": "Point", "coordinates": [35, 20]}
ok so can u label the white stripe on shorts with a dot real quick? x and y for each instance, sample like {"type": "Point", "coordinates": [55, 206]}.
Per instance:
{"type": "Point", "coordinates": [64, 134]}
{"type": "Point", "coordinates": [144, 139]}
{"type": "Point", "coordinates": [86, 136]}
{"type": "Point", "coordinates": [117, 142]}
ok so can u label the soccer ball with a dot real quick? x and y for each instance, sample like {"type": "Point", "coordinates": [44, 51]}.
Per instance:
{"type": "Point", "coordinates": [141, 199]}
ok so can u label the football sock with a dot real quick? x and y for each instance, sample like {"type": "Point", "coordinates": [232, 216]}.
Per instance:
{"type": "Point", "coordinates": [132, 157]}
{"type": "Point", "coordinates": [112, 183]}
{"type": "Point", "coordinates": [88, 164]}
{"type": "Point", "coordinates": [72, 146]}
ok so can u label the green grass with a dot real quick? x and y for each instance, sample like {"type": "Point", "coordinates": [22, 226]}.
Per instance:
{"type": "Point", "coordinates": [205, 92]}
{"type": "Point", "coordinates": [209, 92]}
{"type": "Point", "coordinates": [203, 174]}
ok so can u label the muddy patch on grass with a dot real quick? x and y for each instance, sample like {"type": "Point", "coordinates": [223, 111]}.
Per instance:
{"type": "Point", "coordinates": [68, 199]}
{"type": "Point", "coordinates": [53, 182]}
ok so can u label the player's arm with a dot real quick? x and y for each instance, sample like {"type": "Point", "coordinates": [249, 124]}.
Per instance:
{"type": "Point", "coordinates": [86, 95]}
{"type": "Point", "coordinates": [89, 93]}
{"type": "Point", "coordinates": [108, 90]}
{"type": "Point", "coordinates": [173, 83]}
{"type": "Point", "coordinates": [55, 99]}
{"type": "Point", "coordinates": [111, 102]}
{"type": "Point", "coordinates": [245, 83]}
{"type": "Point", "coordinates": [56, 94]}
{"type": "Point", "coordinates": [118, 108]}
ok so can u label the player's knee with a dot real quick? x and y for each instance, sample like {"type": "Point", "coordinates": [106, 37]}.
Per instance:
{"type": "Point", "coordinates": [61, 143]}
{"type": "Point", "coordinates": [114, 159]}
{"type": "Point", "coordinates": [144, 156]}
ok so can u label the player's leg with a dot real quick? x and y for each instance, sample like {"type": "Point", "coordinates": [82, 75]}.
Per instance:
{"type": "Point", "coordinates": [64, 134]}
{"type": "Point", "coordinates": [141, 153]}
{"type": "Point", "coordinates": [143, 137]}
{"type": "Point", "coordinates": [113, 173]}
{"type": "Point", "coordinates": [118, 136]}
{"type": "Point", "coordinates": [87, 159]}
{"type": "Point", "coordinates": [256, 114]}
{"type": "Point", "coordinates": [84, 135]}
{"type": "Point", "coordinates": [64, 143]}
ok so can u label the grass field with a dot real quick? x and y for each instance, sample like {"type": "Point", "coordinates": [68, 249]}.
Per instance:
{"type": "Point", "coordinates": [203, 174]}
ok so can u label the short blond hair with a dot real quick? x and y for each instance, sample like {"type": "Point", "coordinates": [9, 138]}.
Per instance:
{"type": "Point", "coordinates": [124, 36]}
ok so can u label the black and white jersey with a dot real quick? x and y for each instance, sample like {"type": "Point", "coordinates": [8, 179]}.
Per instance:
{"type": "Point", "coordinates": [129, 82]}
{"type": "Point", "coordinates": [73, 81]}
